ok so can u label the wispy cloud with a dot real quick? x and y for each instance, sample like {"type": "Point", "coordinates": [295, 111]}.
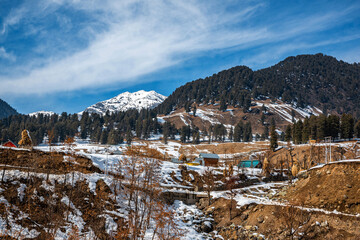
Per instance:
{"type": "Point", "coordinates": [142, 37]}
{"type": "Point", "coordinates": [125, 40]}
{"type": "Point", "coordinates": [6, 55]}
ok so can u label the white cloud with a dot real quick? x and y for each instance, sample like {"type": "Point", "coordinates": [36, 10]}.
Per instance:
{"type": "Point", "coordinates": [141, 37]}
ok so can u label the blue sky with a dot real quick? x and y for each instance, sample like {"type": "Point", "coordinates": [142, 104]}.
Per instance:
{"type": "Point", "coordinates": [64, 55]}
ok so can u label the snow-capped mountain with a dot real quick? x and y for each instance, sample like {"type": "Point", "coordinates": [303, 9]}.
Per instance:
{"type": "Point", "coordinates": [125, 101]}
{"type": "Point", "coordinates": [45, 113]}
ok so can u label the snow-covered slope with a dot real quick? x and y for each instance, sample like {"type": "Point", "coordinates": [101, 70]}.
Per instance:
{"type": "Point", "coordinates": [125, 101]}
{"type": "Point", "coordinates": [45, 113]}
{"type": "Point", "coordinates": [209, 114]}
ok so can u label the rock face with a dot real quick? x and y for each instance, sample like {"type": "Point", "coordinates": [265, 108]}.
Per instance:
{"type": "Point", "coordinates": [125, 101]}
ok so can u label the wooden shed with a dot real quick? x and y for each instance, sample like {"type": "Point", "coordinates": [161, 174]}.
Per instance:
{"type": "Point", "coordinates": [9, 144]}
{"type": "Point", "coordinates": [209, 159]}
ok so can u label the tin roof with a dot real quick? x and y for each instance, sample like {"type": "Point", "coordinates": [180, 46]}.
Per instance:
{"type": "Point", "coordinates": [208, 155]}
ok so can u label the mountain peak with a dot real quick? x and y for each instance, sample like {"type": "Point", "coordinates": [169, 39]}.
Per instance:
{"type": "Point", "coordinates": [127, 100]}
{"type": "Point", "coordinates": [45, 113]}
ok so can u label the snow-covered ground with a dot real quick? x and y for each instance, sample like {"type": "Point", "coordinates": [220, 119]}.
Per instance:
{"type": "Point", "coordinates": [284, 110]}
{"type": "Point", "coordinates": [100, 155]}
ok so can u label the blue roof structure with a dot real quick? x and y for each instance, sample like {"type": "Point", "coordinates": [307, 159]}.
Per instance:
{"type": "Point", "coordinates": [248, 163]}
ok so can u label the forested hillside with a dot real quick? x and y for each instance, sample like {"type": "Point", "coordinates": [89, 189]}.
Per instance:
{"type": "Point", "coordinates": [6, 110]}
{"type": "Point", "coordinates": [316, 80]}
{"type": "Point", "coordinates": [111, 129]}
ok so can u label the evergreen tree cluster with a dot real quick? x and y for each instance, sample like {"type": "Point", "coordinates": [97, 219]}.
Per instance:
{"type": "Point", "coordinates": [107, 129]}
{"type": "Point", "coordinates": [319, 127]}
{"type": "Point", "coordinates": [315, 80]}
{"type": "Point", "coordinates": [243, 132]}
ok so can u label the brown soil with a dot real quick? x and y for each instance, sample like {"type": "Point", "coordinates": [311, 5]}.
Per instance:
{"type": "Point", "coordinates": [273, 222]}
{"type": "Point", "coordinates": [307, 156]}
{"type": "Point", "coordinates": [333, 187]}
{"type": "Point", "coordinates": [40, 161]}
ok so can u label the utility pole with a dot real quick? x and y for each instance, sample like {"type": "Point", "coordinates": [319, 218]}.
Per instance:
{"type": "Point", "coordinates": [327, 148]}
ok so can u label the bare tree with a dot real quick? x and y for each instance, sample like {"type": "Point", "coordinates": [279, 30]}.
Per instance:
{"type": "Point", "coordinates": [209, 182]}
{"type": "Point", "coordinates": [141, 190]}
{"type": "Point", "coordinates": [230, 186]}
{"type": "Point", "coordinates": [165, 225]}
{"type": "Point", "coordinates": [69, 144]}
{"type": "Point", "coordinates": [51, 136]}
{"type": "Point", "coordinates": [290, 161]}
{"type": "Point", "coordinates": [296, 220]}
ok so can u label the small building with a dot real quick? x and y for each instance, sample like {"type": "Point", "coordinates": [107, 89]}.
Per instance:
{"type": "Point", "coordinates": [9, 144]}
{"type": "Point", "coordinates": [249, 164]}
{"type": "Point", "coordinates": [208, 159]}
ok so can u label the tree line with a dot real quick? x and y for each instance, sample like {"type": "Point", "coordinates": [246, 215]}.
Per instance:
{"type": "Point", "coordinates": [319, 127]}
{"type": "Point", "coordinates": [105, 129]}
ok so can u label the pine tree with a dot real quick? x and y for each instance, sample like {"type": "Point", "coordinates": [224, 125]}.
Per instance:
{"type": "Point", "coordinates": [196, 138]}
{"type": "Point", "coordinates": [104, 137]}
{"type": "Point", "coordinates": [357, 129]}
{"type": "Point", "coordinates": [223, 105]}
{"type": "Point", "coordinates": [247, 132]}
{"type": "Point", "coordinates": [239, 132]}
{"type": "Point", "coordinates": [111, 139]}
{"type": "Point", "coordinates": [298, 128]}
{"type": "Point", "coordinates": [334, 126]}
{"type": "Point", "coordinates": [231, 134]}
{"type": "Point", "coordinates": [266, 132]}
{"type": "Point", "coordinates": [288, 133]}
{"type": "Point", "coordinates": [322, 127]}
{"type": "Point", "coordinates": [165, 133]}
{"type": "Point", "coordinates": [347, 126]}
{"type": "Point", "coordinates": [187, 107]}
{"type": "Point", "coordinates": [262, 118]}
{"type": "Point", "coordinates": [247, 104]}
{"type": "Point", "coordinates": [138, 128]}
{"type": "Point", "coordinates": [129, 137]}
{"type": "Point", "coordinates": [293, 115]}
{"type": "Point", "coordinates": [183, 134]}
{"type": "Point", "coordinates": [273, 139]}
{"type": "Point", "coordinates": [306, 130]}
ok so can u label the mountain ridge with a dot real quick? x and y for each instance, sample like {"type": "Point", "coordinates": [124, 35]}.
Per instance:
{"type": "Point", "coordinates": [137, 100]}
{"type": "Point", "coordinates": [6, 110]}
{"type": "Point", "coordinates": [305, 80]}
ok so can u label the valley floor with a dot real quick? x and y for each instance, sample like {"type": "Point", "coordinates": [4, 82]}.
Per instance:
{"type": "Point", "coordinates": [82, 195]}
